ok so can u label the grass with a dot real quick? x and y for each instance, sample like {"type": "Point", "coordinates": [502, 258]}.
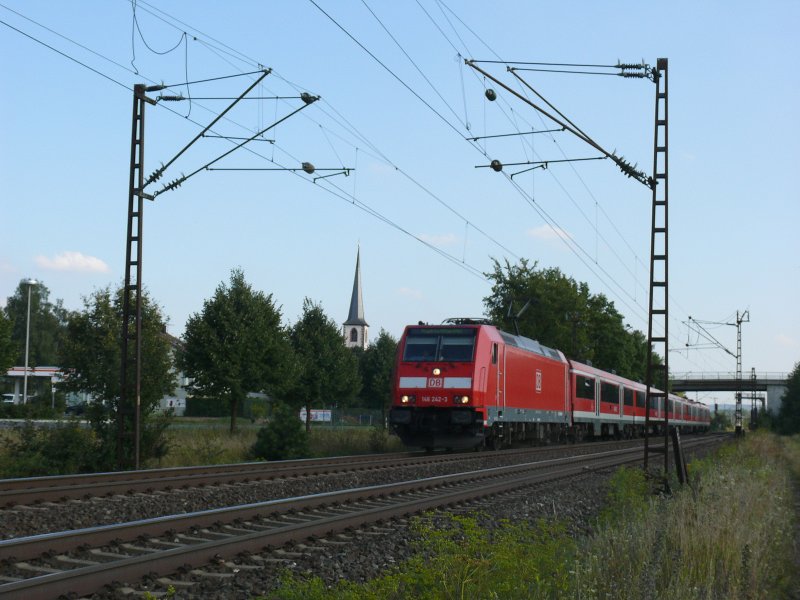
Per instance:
{"type": "Point", "coordinates": [196, 441]}
{"type": "Point", "coordinates": [728, 537]}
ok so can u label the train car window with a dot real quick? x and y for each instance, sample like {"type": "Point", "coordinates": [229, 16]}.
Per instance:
{"type": "Point", "coordinates": [439, 345]}
{"type": "Point", "coordinates": [584, 387]}
{"type": "Point", "coordinates": [641, 398]}
{"type": "Point", "coordinates": [609, 393]}
{"type": "Point", "coordinates": [628, 397]}
{"type": "Point", "coordinates": [494, 354]}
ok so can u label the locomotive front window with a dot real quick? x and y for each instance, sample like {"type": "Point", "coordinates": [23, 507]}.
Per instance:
{"type": "Point", "coordinates": [456, 348]}
{"type": "Point", "coordinates": [439, 345]}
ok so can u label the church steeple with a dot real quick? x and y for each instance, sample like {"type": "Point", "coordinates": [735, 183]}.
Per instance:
{"type": "Point", "coordinates": [355, 328]}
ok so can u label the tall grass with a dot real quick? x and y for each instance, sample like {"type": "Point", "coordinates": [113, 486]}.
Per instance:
{"type": "Point", "coordinates": [729, 537]}
{"type": "Point", "coordinates": [208, 442]}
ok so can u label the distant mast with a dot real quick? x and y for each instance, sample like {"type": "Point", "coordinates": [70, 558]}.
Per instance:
{"type": "Point", "coordinates": [355, 328]}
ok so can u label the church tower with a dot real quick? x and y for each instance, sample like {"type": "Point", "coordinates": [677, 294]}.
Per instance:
{"type": "Point", "coordinates": [355, 328]}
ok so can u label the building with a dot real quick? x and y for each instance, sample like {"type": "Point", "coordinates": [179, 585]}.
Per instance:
{"type": "Point", "coordinates": [355, 329]}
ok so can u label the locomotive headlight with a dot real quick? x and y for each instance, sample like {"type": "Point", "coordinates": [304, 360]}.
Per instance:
{"type": "Point", "coordinates": [408, 399]}
{"type": "Point", "coordinates": [461, 399]}
{"type": "Point", "coordinates": [437, 372]}
{"type": "Point", "coordinates": [404, 399]}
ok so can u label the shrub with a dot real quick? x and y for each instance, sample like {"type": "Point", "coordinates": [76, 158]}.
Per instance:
{"type": "Point", "coordinates": [63, 449]}
{"type": "Point", "coordinates": [284, 437]}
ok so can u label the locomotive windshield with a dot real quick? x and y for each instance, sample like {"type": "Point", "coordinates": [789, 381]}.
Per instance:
{"type": "Point", "coordinates": [439, 345]}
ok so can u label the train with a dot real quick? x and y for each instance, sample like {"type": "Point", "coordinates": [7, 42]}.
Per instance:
{"type": "Point", "coordinates": [467, 384]}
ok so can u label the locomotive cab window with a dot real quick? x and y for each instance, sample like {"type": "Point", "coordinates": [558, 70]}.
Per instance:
{"type": "Point", "coordinates": [584, 387]}
{"type": "Point", "coordinates": [439, 345]}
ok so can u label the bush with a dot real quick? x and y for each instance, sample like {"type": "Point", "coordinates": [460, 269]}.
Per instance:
{"type": "Point", "coordinates": [63, 449]}
{"type": "Point", "coordinates": [284, 437]}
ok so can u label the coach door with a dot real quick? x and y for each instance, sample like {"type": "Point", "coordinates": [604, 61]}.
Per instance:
{"type": "Point", "coordinates": [597, 385]}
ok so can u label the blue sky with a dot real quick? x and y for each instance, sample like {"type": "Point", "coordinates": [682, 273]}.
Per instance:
{"type": "Point", "coordinates": [734, 209]}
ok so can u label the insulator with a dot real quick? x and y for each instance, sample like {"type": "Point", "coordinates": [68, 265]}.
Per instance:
{"type": "Point", "coordinates": [491, 95]}
{"type": "Point", "coordinates": [172, 98]}
{"type": "Point", "coordinates": [308, 167]}
{"type": "Point", "coordinates": [156, 174]}
{"type": "Point", "coordinates": [496, 165]}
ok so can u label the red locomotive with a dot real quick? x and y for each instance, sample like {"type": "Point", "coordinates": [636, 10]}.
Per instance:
{"type": "Point", "coordinates": [467, 384]}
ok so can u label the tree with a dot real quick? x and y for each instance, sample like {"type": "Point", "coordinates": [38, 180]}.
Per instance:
{"type": "Point", "coordinates": [91, 357]}
{"type": "Point", "coordinates": [7, 348]}
{"type": "Point", "coordinates": [47, 324]}
{"type": "Point", "coordinates": [562, 313]}
{"type": "Point", "coordinates": [236, 345]}
{"type": "Point", "coordinates": [788, 418]}
{"type": "Point", "coordinates": [283, 438]}
{"type": "Point", "coordinates": [376, 365]}
{"type": "Point", "coordinates": [326, 370]}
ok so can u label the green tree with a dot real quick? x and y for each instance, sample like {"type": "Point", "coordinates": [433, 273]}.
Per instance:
{"type": "Point", "coordinates": [327, 372]}
{"type": "Point", "coordinates": [47, 324]}
{"type": "Point", "coordinates": [562, 313]}
{"type": "Point", "coordinates": [376, 365]}
{"type": "Point", "coordinates": [7, 348]}
{"type": "Point", "coordinates": [236, 345]}
{"type": "Point", "coordinates": [788, 418]}
{"type": "Point", "coordinates": [91, 357]}
{"type": "Point", "coordinates": [283, 438]}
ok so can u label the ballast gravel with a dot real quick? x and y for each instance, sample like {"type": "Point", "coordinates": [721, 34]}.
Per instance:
{"type": "Point", "coordinates": [357, 556]}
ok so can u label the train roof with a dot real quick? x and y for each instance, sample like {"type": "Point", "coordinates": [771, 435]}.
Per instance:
{"type": "Point", "coordinates": [529, 345]}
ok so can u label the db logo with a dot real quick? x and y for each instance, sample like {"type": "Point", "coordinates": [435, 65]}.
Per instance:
{"type": "Point", "coordinates": [435, 382]}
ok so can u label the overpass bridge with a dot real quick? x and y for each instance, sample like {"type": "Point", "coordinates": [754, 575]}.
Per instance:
{"type": "Point", "coordinates": [773, 383]}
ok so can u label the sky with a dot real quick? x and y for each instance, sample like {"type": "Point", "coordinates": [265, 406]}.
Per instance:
{"type": "Point", "coordinates": [398, 174]}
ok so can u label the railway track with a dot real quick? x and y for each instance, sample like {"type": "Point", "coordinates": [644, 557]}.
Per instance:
{"type": "Point", "coordinates": [36, 490]}
{"type": "Point", "coordinates": [251, 536]}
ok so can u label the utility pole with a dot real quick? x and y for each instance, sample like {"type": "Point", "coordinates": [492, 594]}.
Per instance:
{"type": "Point", "coordinates": [737, 419]}
{"type": "Point", "coordinates": [658, 313]}
{"type": "Point", "coordinates": [130, 401]}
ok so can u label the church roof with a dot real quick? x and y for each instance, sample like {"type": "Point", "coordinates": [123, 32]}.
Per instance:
{"type": "Point", "coordinates": [356, 314]}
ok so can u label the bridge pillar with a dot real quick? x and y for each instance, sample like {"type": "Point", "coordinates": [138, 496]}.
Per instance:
{"type": "Point", "coordinates": [775, 397]}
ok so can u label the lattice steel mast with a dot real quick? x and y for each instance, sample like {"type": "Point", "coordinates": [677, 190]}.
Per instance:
{"type": "Point", "coordinates": [658, 313]}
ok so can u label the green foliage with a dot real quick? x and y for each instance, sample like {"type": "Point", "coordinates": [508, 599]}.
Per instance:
{"type": "Point", "coordinates": [376, 365]}
{"type": "Point", "coordinates": [7, 347]}
{"type": "Point", "coordinates": [326, 371]}
{"type": "Point", "coordinates": [378, 439]}
{"type": "Point", "coordinates": [721, 421]}
{"type": "Point", "coordinates": [457, 559]}
{"type": "Point", "coordinates": [563, 314]}
{"type": "Point", "coordinates": [730, 537]}
{"type": "Point", "coordinates": [628, 495]}
{"type": "Point", "coordinates": [47, 325]}
{"type": "Point", "coordinates": [236, 345]}
{"type": "Point", "coordinates": [91, 357]}
{"type": "Point", "coordinates": [283, 437]}
{"type": "Point", "coordinates": [787, 421]}
{"type": "Point", "coordinates": [62, 449]}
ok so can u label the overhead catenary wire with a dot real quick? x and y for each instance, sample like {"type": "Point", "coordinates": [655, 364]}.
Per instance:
{"type": "Point", "coordinates": [126, 88]}
{"type": "Point", "coordinates": [234, 54]}
{"type": "Point", "coordinates": [359, 204]}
